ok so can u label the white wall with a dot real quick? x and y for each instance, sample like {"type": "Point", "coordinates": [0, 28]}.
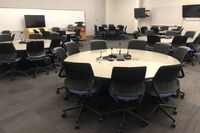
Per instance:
{"type": "Point", "coordinates": [94, 9]}
{"type": "Point", "coordinates": [169, 12]}
{"type": "Point", "coordinates": [122, 12]}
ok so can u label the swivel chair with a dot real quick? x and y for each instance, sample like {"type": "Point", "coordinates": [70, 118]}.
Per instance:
{"type": "Point", "coordinates": [137, 44]}
{"type": "Point", "coordinates": [151, 41]}
{"type": "Point", "coordinates": [81, 82]}
{"type": "Point", "coordinates": [72, 48]}
{"type": "Point", "coordinates": [97, 44]}
{"type": "Point", "coordinates": [164, 84]}
{"type": "Point", "coordinates": [190, 34]}
{"type": "Point", "coordinates": [127, 86]}
{"type": "Point", "coordinates": [162, 48]}
{"type": "Point", "coordinates": [8, 57]}
{"type": "Point", "coordinates": [35, 53]}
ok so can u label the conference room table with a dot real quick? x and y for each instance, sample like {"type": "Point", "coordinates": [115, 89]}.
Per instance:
{"type": "Point", "coordinates": [103, 68]}
{"type": "Point", "coordinates": [165, 40]}
{"type": "Point", "coordinates": [22, 46]}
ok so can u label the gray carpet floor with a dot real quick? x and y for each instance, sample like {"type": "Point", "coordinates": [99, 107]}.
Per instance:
{"type": "Point", "coordinates": [30, 105]}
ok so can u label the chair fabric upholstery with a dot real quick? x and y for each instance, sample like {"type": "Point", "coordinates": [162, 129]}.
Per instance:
{"type": "Point", "coordinates": [137, 44]}
{"type": "Point", "coordinates": [72, 48]}
{"type": "Point", "coordinates": [97, 44]}
{"type": "Point", "coordinates": [162, 48]}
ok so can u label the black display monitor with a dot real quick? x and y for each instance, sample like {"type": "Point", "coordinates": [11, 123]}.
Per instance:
{"type": "Point", "coordinates": [34, 21]}
{"type": "Point", "coordinates": [191, 11]}
{"type": "Point", "coordinates": [139, 12]}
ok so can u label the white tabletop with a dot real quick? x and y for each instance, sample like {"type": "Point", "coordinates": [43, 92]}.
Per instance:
{"type": "Point", "coordinates": [103, 68]}
{"type": "Point", "coordinates": [22, 46]}
{"type": "Point", "coordinates": [164, 40]}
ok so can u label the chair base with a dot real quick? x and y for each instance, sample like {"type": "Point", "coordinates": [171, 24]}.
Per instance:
{"type": "Point", "coordinates": [162, 108]}
{"type": "Point", "coordinates": [81, 107]}
{"type": "Point", "coordinates": [124, 111]}
{"type": "Point", "coordinates": [37, 69]}
{"type": "Point", "coordinates": [12, 72]}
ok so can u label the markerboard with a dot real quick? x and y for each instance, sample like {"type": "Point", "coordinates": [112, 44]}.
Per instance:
{"type": "Point", "coordinates": [13, 18]}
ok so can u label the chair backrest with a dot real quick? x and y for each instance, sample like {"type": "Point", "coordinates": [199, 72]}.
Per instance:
{"type": "Point", "coordinates": [55, 29]}
{"type": "Point", "coordinates": [5, 37]}
{"type": "Point", "coordinates": [7, 51]}
{"type": "Point", "coordinates": [101, 28]}
{"type": "Point", "coordinates": [155, 29]}
{"type": "Point", "coordinates": [171, 33]}
{"type": "Point", "coordinates": [72, 48]}
{"type": "Point", "coordinates": [12, 37]}
{"type": "Point", "coordinates": [166, 79]}
{"type": "Point", "coordinates": [6, 32]}
{"type": "Point", "coordinates": [152, 40]}
{"type": "Point", "coordinates": [179, 41]}
{"type": "Point", "coordinates": [54, 35]}
{"type": "Point", "coordinates": [97, 44]}
{"type": "Point", "coordinates": [143, 29]}
{"type": "Point", "coordinates": [162, 48]}
{"type": "Point", "coordinates": [190, 34]}
{"type": "Point", "coordinates": [61, 53]}
{"type": "Point", "coordinates": [95, 28]}
{"type": "Point", "coordinates": [128, 81]}
{"type": "Point", "coordinates": [35, 49]}
{"type": "Point", "coordinates": [149, 33]}
{"type": "Point", "coordinates": [180, 53]}
{"type": "Point", "coordinates": [55, 43]}
{"type": "Point", "coordinates": [80, 76]}
{"type": "Point", "coordinates": [35, 36]}
{"type": "Point", "coordinates": [137, 44]}
{"type": "Point", "coordinates": [104, 25]}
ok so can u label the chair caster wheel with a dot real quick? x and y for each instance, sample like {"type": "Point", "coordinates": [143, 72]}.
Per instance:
{"type": "Point", "coordinates": [101, 119]}
{"type": "Point", "coordinates": [63, 115]}
{"type": "Point", "coordinates": [174, 111]}
{"type": "Point", "coordinates": [182, 96]}
{"type": "Point", "coordinates": [57, 91]}
{"type": "Point", "coordinates": [47, 73]}
{"type": "Point", "coordinates": [26, 75]}
{"type": "Point", "coordinates": [56, 71]}
{"type": "Point", "coordinates": [76, 126]}
{"type": "Point", "coordinates": [173, 125]}
{"type": "Point", "coordinates": [12, 79]}
{"type": "Point", "coordinates": [144, 124]}
{"type": "Point", "coordinates": [119, 130]}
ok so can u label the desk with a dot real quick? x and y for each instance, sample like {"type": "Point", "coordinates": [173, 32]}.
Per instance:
{"type": "Point", "coordinates": [164, 40]}
{"type": "Point", "coordinates": [103, 68]}
{"type": "Point", "coordinates": [22, 46]}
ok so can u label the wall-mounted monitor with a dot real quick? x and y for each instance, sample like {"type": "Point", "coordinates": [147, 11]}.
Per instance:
{"type": "Point", "coordinates": [139, 13]}
{"type": "Point", "coordinates": [191, 11]}
{"type": "Point", "coordinates": [34, 21]}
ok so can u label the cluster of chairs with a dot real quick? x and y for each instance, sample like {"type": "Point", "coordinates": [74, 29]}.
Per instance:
{"type": "Point", "coordinates": [127, 85]}
{"type": "Point", "coordinates": [110, 31]}
{"type": "Point", "coordinates": [41, 59]}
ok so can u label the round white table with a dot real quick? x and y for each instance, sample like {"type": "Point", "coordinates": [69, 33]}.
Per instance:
{"type": "Point", "coordinates": [103, 68]}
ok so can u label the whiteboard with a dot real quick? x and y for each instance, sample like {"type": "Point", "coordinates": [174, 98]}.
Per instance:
{"type": "Point", "coordinates": [13, 18]}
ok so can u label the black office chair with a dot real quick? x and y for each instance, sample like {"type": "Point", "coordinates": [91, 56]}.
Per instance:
{"type": "Point", "coordinates": [8, 57]}
{"type": "Point", "coordinates": [180, 55]}
{"type": "Point", "coordinates": [104, 25]}
{"type": "Point", "coordinates": [62, 55]}
{"type": "Point", "coordinates": [96, 32]}
{"type": "Point", "coordinates": [6, 32]}
{"type": "Point", "coordinates": [164, 28]}
{"type": "Point", "coordinates": [190, 34]}
{"type": "Point", "coordinates": [81, 82]}
{"type": "Point", "coordinates": [179, 41]}
{"type": "Point", "coordinates": [143, 29]}
{"type": "Point", "coordinates": [54, 35]}
{"type": "Point", "coordinates": [35, 53]}
{"type": "Point", "coordinates": [97, 44]}
{"type": "Point", "coordinates": [149, 33]}
{"type": "Point", "coordinates": [164, 84]}
{"type": "Point", "coordinates": [112, 32]}
{"type": "Point", "coordinates": [137, 44]}
{"type": "Point", "coordinates": [5, 37]}
{"type": "Point", "coordinates": [55, 29]}
{"type": "Point", "coordinates": [151, 41]}
{"type": "Point", "coordinates": [72, 48]}
{"type": "Point", "coordinates": [155, 29]}
{"type": "Point", "coordinates": [127, 85]}
{"type": "Point", "coordinates": [162, 48]}
{"type": "Point", "coordinates": [102, 32]}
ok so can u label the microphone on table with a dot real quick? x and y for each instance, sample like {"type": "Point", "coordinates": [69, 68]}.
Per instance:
{"type": "Point", "coordinates": [111, 50]}
{"type": "Point", "coordinates": [120, 48]}
{"type": "Point", "coordinates": [127, 51]}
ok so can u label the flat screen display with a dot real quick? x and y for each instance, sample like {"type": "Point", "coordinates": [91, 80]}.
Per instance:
{"type": "Point", "coordinates": [139, 12]}
{"type": "Point", "coordinates": [34, 21]}
{"type": "Point", "coordinates": [191, 11]}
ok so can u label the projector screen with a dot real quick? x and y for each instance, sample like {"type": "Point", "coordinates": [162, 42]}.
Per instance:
{"type": "Point", "coordinates": [13, 18]}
